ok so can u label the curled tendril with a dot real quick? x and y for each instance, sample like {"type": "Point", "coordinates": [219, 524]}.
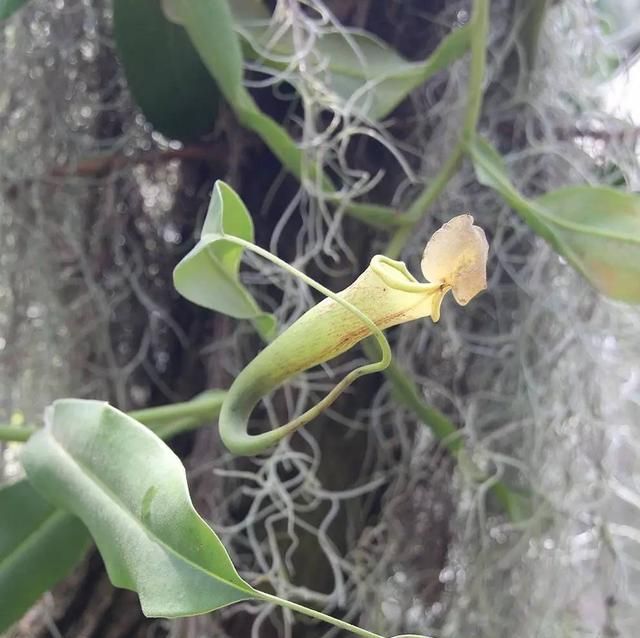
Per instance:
{"type": "Point", "coordinates": [384, 295]}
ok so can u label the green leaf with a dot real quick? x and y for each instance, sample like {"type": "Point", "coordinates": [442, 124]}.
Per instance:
{"type": "Point", "coordinates": [39, 545]}
{"type": "Point", "coordinates": [9, 7]}
{"type": "Point", "coordinates": [208, 275]}
{"type": "Point", "coordinates": [596, 228]}
{"type": "Point", "coordinates": [57, 540]}
{"type": "Point", "coordinates": [164, 72]}
{"type": "Point", "coordinates": [210, 27]}
{"type": "Point", "coordinates": [392, 76]}
{"type": "Point", "coordinates": [130, 490]}
{"type": "Point", "coordinates": [600, 228]}
{"type": "Point", "coordinates": [357, 63]}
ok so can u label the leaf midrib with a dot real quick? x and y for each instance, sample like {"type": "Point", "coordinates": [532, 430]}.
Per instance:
{"type": "Point", "coordinates": [582, 228]}
{"type": "Point", "coordinates": [113, 497]}
{"type": "Point", "coordinates": [547, 214]}
{"type": "Point", "coordinates": [229, 277]}
{"type": "Point", "coordinates": [31, 537]}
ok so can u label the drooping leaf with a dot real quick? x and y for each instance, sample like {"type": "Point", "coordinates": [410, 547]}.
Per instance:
{"type": "Point", "coordinates": [9, 7]}
{"type": "Point", "coordinates": [130, 490]}
{"type": "Point", "coordinates": [358, 67]}
{"type": "Point", "coordinates": [56, 539]}
{"type": "Point", "coordinates": [39, 545]}
{"type": "Point", "coordinates": [208, 275]}
{"type": "Point", "coordinates": [596, 228]}
{"type": "Point", "coordinates": [391, 76]}
{"type": "Point", "coordinates": [164, 72]}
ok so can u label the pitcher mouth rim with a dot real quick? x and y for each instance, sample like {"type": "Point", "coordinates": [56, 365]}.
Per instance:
{"type": "Point", "coordinates": [396, 275]}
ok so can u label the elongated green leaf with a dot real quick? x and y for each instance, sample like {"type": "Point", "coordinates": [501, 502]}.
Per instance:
{"type": "Point", "coordinates": [9, 7]}
{"type": "Point", "coordinates": [39, 545]}
{"type": "Point", "coordinates": [130, 490]}
{"type": "Point", "coordinates": [210, 26]}
{"type": "Point", "coordinates": [374, 64]}
{"type": "Point", "coordinates": [600, 227]}
{"type": "Point", "coordinates": [208, 275]}
{"type": "Point", "coordinates": [164, 72]}
{"type": "Point", "coordinates": [356, 66]}
{"type": "Point", "coordinates": [52, 540]}
{"type": "Point", "coordinates": [595, 227]}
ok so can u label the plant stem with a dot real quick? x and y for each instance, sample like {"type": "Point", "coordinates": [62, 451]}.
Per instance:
{"type": "Point", "coordinates": [202, 406]}
{"type": "Point", "coordinates": [407, 393]}
{"type": "Point", "coordinates": [318, 615]}
{"type": "Point", "coordinates": [479, 37]}
{"type": "Point", "coordinates": [168, 430]}
{"type": "Point", "coordinates": [165, 420]}
{"type": "Point", "coordinates": [532, 13]}
{"type": "Point", "coordinates": [423, 202]}
{"type": "Point", "coordinates": [479, 25]}
{"type": "Point", "coordinates": [514, 504]}
{"type": "Point", "coordinates": [18, 434]}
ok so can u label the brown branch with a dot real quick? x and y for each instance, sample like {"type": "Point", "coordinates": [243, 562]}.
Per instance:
{"type": "Point", "coordinates": [101, 165]}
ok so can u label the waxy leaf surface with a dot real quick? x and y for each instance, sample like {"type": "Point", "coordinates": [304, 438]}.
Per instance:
{"type": "Point", "coordinates": [164, 72]}
{"type": "Point", "coordinates": [209, 274]}
{"type": "Point", "coordinates": [596, 228]}
{"type": "Point", "coordinates": [130, 490]}
{"type": "Point", "coordinates": [359, 69]}
{"type": "Point", "coordinates": [39, 545]}
{"type": "Point", "coordinates": [9, 7]}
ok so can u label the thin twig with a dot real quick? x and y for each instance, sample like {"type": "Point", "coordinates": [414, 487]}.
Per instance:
{"type": "Point", "coordinates": [103, 164]}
